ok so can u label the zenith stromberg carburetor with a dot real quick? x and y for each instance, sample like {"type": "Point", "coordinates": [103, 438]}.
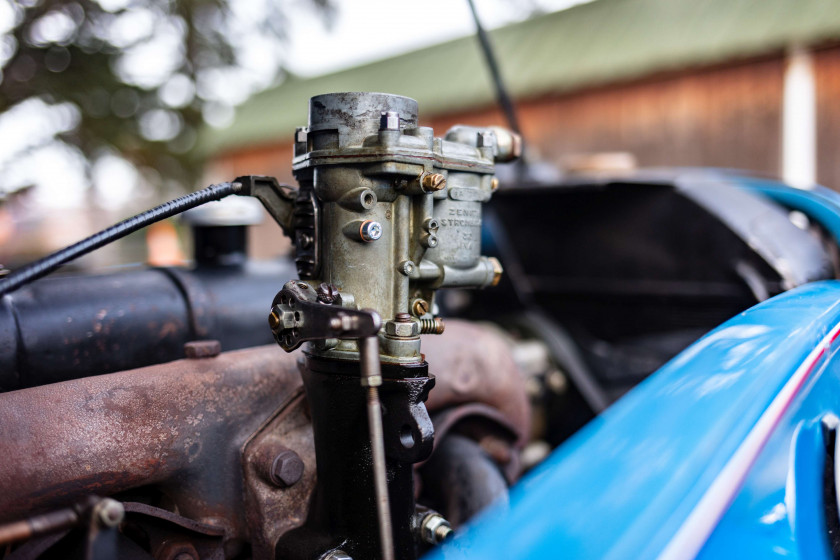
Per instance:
{"type": "Point", "coordinates": [384, 216]}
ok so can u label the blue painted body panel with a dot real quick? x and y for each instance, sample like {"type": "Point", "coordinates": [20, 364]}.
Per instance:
{"type": "Point", "coordinates": [624, 485]}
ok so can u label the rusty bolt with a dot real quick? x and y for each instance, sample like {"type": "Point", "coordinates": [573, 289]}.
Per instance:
{"type": "Point", "coordinates": [402, 318]}
{"type": "Point", "coordinates": [420, 307]}
{"type": "Point", "coordinates": [198, 349]}
{"type": "Point", "coordinates": [431, 182]}
{"type": "Point", "coordinates": [327, 293]}
{"type": "Point", "coordinates": [286, 469]}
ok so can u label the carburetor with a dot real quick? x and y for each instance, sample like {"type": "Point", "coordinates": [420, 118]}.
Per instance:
{"type": "Point", "coordinates": [385, 215]}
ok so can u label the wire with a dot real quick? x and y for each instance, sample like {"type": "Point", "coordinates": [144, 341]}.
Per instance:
{"type": "Point", "coordinates": [44, 266]}
{"type": "Point", "coordinates": [501, 92]}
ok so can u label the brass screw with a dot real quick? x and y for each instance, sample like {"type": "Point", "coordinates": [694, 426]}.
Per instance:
{"type": "Point", "coordinates": [497, 271]}
{"type": "Point", "coordinates": [494, 184]}
{"type": "Point", "coordinates": [420, 307]}
{"type": "Point", "coordinates": [432, 326]}
{"type": "Point", "coordinates": [433, 182]}
{"type": "Point", "coordinates": [273, 320]}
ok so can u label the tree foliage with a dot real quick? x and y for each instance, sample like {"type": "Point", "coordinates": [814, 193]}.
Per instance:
{"type": "Point", "coordinates": [140, 77]}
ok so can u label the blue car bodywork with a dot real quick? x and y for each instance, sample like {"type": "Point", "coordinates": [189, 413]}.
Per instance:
{"type": "Point", "coordinates": [725, 452]}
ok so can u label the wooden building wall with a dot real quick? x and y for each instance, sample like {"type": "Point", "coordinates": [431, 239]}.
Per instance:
{"type": "Point", "coordinates": [723, 116]}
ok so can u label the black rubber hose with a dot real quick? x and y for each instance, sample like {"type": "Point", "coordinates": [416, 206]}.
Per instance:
{"type": "Point", "coordinates": [44, 266]}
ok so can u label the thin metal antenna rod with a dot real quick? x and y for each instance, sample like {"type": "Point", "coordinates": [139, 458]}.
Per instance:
{"type": "Point", "coordinates": [501, 92]}
{"type": "Point", "coordinates": [372, 379]}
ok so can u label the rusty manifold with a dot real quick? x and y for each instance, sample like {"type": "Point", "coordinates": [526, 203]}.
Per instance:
{"type": "Point", "coordinates": [227, 438]}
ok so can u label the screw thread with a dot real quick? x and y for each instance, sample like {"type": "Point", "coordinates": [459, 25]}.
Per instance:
{"type": "Point", "coordinates": [432, 326]}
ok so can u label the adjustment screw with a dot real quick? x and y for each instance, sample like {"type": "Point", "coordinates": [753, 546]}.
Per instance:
{"type": "Point", "coordinates": [273, 319]}
{"type": "Point", "coordinates": [370, 230]}
{"type": "Point", "coordinates": [420, 307]}
{"type": "Point", "coordinates": [286, 469]}
{"type": "Point", "coordinates": [431, 182]}
{"type": "Point", "coordinates": [327, 293]}
{"type": "Point", "coordinates": [402, 318]}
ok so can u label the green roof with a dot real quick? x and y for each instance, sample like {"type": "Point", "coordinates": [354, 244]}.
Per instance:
{"type": "Point", "coordinates": [586, 45]}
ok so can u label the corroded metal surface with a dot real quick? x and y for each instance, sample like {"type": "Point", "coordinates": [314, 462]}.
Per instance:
{"type": "Point", "coordinates": [473, 364]}
{"type": "Point", "coordinates": [180, 426]}
{"type": "Point", "coordinates": [200, 430]}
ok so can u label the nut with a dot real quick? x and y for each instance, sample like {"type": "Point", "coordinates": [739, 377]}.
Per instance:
{"type": "Point", "coordinates": [286, 469]}
{"type": "Point", "coordinates": [431, 182]}
{"type": "Point", "coordinates": [402, 330]}
{"type": "Point", "coordinates": [435, 529]}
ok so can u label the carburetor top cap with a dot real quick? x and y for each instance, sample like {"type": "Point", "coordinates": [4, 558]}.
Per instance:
{"type": "Point", "coordinates": [357, 115]}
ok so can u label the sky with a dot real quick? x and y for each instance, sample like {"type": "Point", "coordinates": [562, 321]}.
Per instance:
{"type": "Point", "coordinates": [361, 31]}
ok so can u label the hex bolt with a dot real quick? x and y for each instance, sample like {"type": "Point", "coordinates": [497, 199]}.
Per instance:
{"type": "Point", "coordinates": [431, 182]}
{"type": "Point", "coordinates": [286, 469]}
{"type": "Point", "coordinates": [370, 231]}
{"type": "Point", "coordinates": [434, 529]}
{"type": "Point", "coordinates": [420, 307]}
{"type": "Point", "coordinates": [390, 120]}
{"type": "Point", "coordinates": [198, 349]}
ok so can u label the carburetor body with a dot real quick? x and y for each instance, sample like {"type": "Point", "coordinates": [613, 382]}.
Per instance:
{"type": "Point", "coordinates": [386, 213]}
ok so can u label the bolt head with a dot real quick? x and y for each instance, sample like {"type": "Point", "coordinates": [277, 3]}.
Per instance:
{"type": "Point", "coordinates": [370, 230]}
{"type": "Point", "coordinates": [486, 140]}
{"type": "Point", "coordinates": [389, 120]}
{"type": "Point", "coordinates": [406, 267]}
{"type": "Point", "coordinates": [286, 469]}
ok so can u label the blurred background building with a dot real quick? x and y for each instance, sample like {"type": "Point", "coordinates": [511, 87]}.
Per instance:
{"type": "Point", "coordinates": [749, 84]}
